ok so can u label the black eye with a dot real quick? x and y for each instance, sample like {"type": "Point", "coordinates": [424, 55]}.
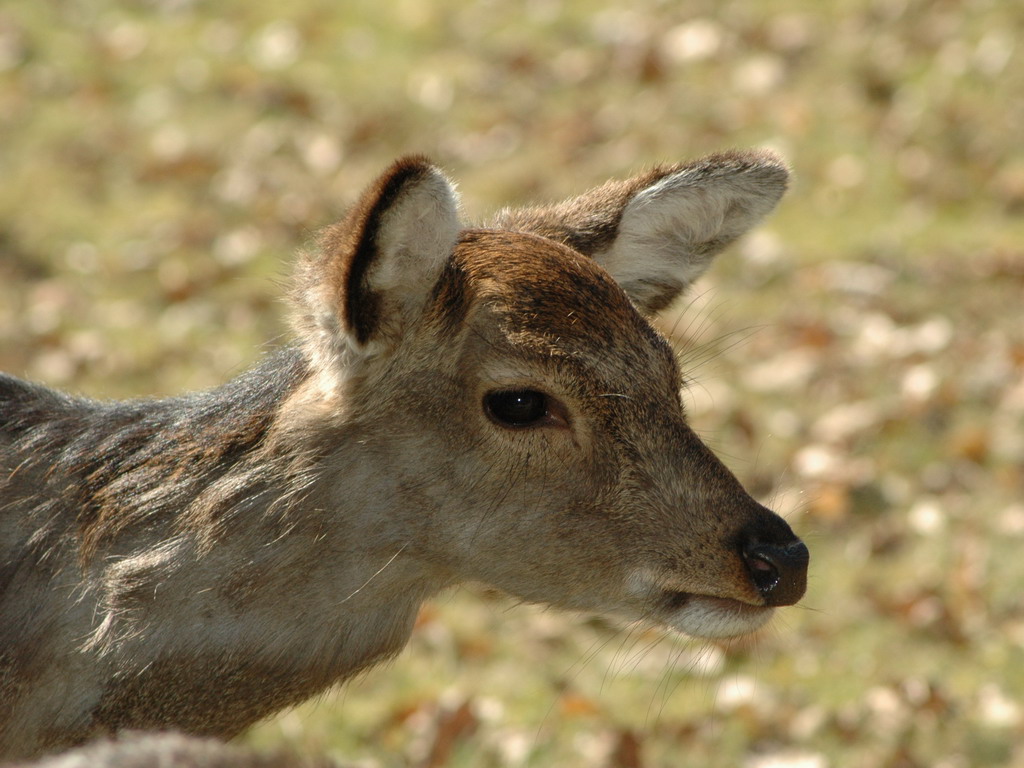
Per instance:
{"type": "Point", "coordinates": [516, 407]}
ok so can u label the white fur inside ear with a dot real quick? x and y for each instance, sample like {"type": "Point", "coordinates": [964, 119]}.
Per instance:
{"type": "Point", "coordinates": [670, 232]}
{"type": "Point", "coordinates": [416, 237]}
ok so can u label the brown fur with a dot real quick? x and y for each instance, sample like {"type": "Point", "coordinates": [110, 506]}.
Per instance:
{"type": "Point", "coordinates": [201, 562]}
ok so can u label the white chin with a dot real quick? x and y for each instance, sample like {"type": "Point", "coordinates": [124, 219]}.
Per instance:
{"type": "Point", "coordinates": [715, 617]}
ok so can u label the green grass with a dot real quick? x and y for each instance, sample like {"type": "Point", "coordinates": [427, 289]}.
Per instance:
{"type": "Point", "coordinates": [161, 160]}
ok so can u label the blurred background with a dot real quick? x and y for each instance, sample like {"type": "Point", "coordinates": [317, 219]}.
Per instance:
{"type": "Point", "coordinates": [858, 361]}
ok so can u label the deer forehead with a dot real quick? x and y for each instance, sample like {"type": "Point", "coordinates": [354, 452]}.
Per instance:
{"type": "Point", "coordinates": [548, 303]}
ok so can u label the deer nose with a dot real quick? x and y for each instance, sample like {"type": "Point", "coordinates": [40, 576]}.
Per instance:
{"type": "Point", "coordinates": [779, 571]}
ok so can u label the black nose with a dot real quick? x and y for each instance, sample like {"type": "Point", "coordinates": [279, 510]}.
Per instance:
{"type": "Point", "coordinates": [779, 571]}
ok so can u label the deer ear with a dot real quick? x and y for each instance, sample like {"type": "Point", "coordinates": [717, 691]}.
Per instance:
{"type": "Point", "coordinates": [658, 232]}
{"type": "Point", "coordinates": [374, 269]}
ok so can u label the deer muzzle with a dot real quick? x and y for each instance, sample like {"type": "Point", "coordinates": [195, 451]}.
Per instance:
{"type": "Point", "coordinates": [779, 571]}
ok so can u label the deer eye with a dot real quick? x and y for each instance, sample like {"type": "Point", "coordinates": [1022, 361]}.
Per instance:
{"type": "Point", "coordinates": [517, 407]}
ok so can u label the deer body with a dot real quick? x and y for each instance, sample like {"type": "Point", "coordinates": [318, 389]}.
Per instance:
{"type": "Point", "coordinates": [462, 404]}
{"type": "Point", "coordinates": [171, 750]}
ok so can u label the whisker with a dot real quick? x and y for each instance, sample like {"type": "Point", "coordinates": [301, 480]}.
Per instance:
{"type": "Point", "coordinates": [377, 573]}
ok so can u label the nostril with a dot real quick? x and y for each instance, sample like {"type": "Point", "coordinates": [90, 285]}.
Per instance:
{"type": "Point", "coordinates": [762, 571]}
{"type": "Point", "coordinates": [778, 571]}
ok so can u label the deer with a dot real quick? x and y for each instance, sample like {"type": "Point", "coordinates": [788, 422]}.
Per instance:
{"type": "Point", "coordinates": [130, 749]}
{"type": "Point", "coordinates": [484, 404]}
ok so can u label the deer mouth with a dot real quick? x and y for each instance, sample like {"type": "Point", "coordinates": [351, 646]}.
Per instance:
{"type": "Point", "coordinates": [694, 613]}
{"type": "Point", "coordinates": [710, 616]}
